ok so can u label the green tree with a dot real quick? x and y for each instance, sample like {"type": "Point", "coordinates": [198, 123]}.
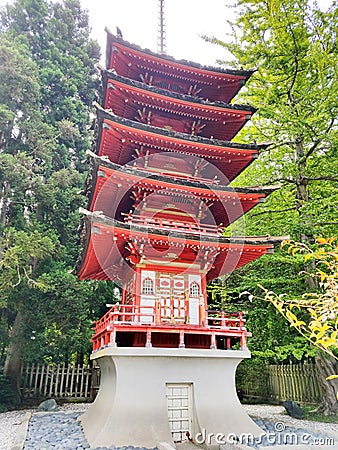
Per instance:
{"type": "Point", "coordinates": [315, 314]}
{"type": "Point", "coordinates": [48, 84]}
{"type": "Point", "coordinates": [320, 325]}
{"type": "Point", "coordinates": [293, 46]}
{"type": "Point", "coordinates": [22, 253]}
{"type": "Point", "coordinates": [272, 341]}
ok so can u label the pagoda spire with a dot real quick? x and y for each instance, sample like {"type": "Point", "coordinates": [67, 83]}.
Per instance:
{"type": "Point", "coordinates": [162, 46]}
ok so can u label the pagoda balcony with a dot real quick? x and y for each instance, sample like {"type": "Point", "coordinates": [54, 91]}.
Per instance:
{"type": "Point", "coordinates": [167, 224]}
{"type": "Point", "coordinates": [143, 326]}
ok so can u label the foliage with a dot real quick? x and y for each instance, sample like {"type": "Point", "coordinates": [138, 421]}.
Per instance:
{"type": "Point", "coordinates": [272, 341]}
{"type": "Point", "coordinates": [315, 314]}
{"type": "Point", "coordinates": [252, 377]}
{"type": "Point", "coordinates": [59, 318]}
{"type": "Point", "coordinates": [6, 394]}
{"type": "Point", "coordinates": [293, 46]}
{"type": "Point", "coordinates": [22, 252]}
{"type": "Point", "coordinates": [48, 83]}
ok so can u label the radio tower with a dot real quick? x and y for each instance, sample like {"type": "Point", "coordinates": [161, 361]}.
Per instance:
{"type": "Point", "coordinates": [162, 47]}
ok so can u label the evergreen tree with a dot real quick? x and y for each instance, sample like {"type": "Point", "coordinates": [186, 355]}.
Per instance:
{"type": "Point", "coordinates": [48, 83]}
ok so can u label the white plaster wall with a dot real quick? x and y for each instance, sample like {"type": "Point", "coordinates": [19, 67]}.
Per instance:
{"type": "Point", "coordinates": [194, 277]}
{"type": "Point", "coordinates": [131, 407]}
{"type": "Point", "coordinates": [148, 274]}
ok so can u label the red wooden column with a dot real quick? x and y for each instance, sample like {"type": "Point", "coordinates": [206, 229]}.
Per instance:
{"type": "Point", "coordinates": [137, 290]}
{"type": "Point", "coordinates": [204, 302]}
{"type": "Point", "coordinates": [123, 301]}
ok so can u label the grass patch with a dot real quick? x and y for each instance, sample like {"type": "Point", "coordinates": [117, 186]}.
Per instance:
{"type": "Point", "coordinates": [310, 414]}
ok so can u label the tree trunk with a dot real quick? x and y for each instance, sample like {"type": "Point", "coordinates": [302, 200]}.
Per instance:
{"type": "Point", "coordinates": [4, 204]}
{"type": "Point", "coordinates": [327, 366]}
{"type": "Point", "coordinates": [302, 198]}
{"type": "Point", "coordinates": [12, 367]}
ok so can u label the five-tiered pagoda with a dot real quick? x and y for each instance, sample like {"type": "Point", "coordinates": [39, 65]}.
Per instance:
{"type": "Point", "coordinates": [158, 202]}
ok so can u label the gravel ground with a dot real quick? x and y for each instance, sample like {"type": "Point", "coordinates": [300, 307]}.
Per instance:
{"type": "Point", "coordinates": [270, 418]}
{"type": "Point", "coordinates": [10, 423]}
{"type": "Point", "coordinates": [277, 414]}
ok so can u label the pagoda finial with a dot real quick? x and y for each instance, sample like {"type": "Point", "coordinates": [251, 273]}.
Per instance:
{"type": "Point", "coordinates": [161, 30]}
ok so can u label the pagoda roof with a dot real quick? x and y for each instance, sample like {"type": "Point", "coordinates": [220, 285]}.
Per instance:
{"type": "Point", "coordinates": [109, 189]}
{"type": "Point", "coordinates": [119, 138]}
{"type": "Point", "coordinates": [112, 249]}
{"type": "Point", "coordinates": [183, 76]}
{"type": "Point", "coordinates": [137, 101]}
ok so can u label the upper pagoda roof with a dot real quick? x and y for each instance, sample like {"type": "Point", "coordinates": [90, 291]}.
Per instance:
{"type": "Point", "coordinates": [111, 249]}
{"type": "Point", "coordinates": [183, 113]}
{"type": "Point", "coordinates": [115, 189]}
{"type": "Point", "coordinates": [122, 140]}
{"type": "Point", "coordinates": [164, 71]}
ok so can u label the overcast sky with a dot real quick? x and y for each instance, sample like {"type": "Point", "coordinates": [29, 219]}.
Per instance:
{"type": "Point", "coordinates": [186, 21]}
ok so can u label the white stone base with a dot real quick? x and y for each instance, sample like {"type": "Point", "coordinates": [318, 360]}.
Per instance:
{"type": "Point", "coordinates": [131, 406]}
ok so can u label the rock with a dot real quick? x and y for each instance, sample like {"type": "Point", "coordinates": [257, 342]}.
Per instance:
{"type": "Point", "coordinates": [48, 405]}
{"type": "Point", "coordinates": [293, 409]}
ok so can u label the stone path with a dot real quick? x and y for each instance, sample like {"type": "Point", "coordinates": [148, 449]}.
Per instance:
{"type": "Point", "coordinates": [62, 431]}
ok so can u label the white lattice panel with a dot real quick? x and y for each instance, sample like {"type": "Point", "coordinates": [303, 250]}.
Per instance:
{"type": "Point", "coordinates": [179, 410]}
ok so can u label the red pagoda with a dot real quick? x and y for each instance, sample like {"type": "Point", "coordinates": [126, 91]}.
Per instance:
{"type": "Point", "coordinates": [159, 201]}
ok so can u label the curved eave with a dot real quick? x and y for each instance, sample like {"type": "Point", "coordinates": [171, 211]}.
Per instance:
{"type": "Point", "coordinates": [109, 76]}
{"type": "Point", "coordinates": [217, 83]}
{"type": "Point", "coordinates": [118, 137]}
{"type": "Point", "coordinates": [127, 98]}
{"type": "Point", "coordinates": [165, 181]}
{"type": "Point", "coordinates": [109, 189]}
{"type": "Point", "coordinates": [106, 249]}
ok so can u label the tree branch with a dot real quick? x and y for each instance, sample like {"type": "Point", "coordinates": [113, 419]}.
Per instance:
{"type": "Point", "coordinates": [318, 141]}
{"type": "Point", "coordinates": [274, 211]}
{"type": "Point", "coordinates": [278, 145]}
{"type": "Point", "coordinates": [313, 148]}
{"type": "Point", "coordinates": [321, 178]}
{"type": "Point", "coordinates": [290, 96]}
{"type": "Point", "coordinates": [333, 120]}
{"type": "Point", "coordinates": [325, 223]}
{"type": "Point", "coordinates": [278, 180]}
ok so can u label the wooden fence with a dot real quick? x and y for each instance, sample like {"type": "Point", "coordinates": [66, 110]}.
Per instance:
{"type": "Point", "coordinates": [59, 381]}
{"type": "Point", "coordinates": [297, 382]}
{"type": "Point", "coordinates": [265, 383]}
{"type": "Point", "coordinates": [276, 383]}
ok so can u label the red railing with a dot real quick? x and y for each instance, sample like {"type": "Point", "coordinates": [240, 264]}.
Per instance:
{"type": "Point", "coordinates": [225, 320]}
{"type": "Point", "coordinates": [148, 318]}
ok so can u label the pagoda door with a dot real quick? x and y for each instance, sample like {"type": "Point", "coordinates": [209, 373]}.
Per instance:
{"type": "Point", "coordinates": [171, 294]}
{"type": "Point", "coordinates": [179, 403]}
{"type": "Point", "coordinates": [194, 298]}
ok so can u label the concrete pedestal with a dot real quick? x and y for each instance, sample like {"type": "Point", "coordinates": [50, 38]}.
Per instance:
{"type": "Point", "coordinates": [131, 407]}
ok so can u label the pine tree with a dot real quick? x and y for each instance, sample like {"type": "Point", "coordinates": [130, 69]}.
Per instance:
{"type": "Point", "coordinates": [48, 83]}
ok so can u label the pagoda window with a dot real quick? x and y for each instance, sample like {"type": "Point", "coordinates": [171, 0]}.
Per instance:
{"type": "Point", "coordinates": [148, 286]}
{"type": "Point", "coordinates": [195, 289]}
